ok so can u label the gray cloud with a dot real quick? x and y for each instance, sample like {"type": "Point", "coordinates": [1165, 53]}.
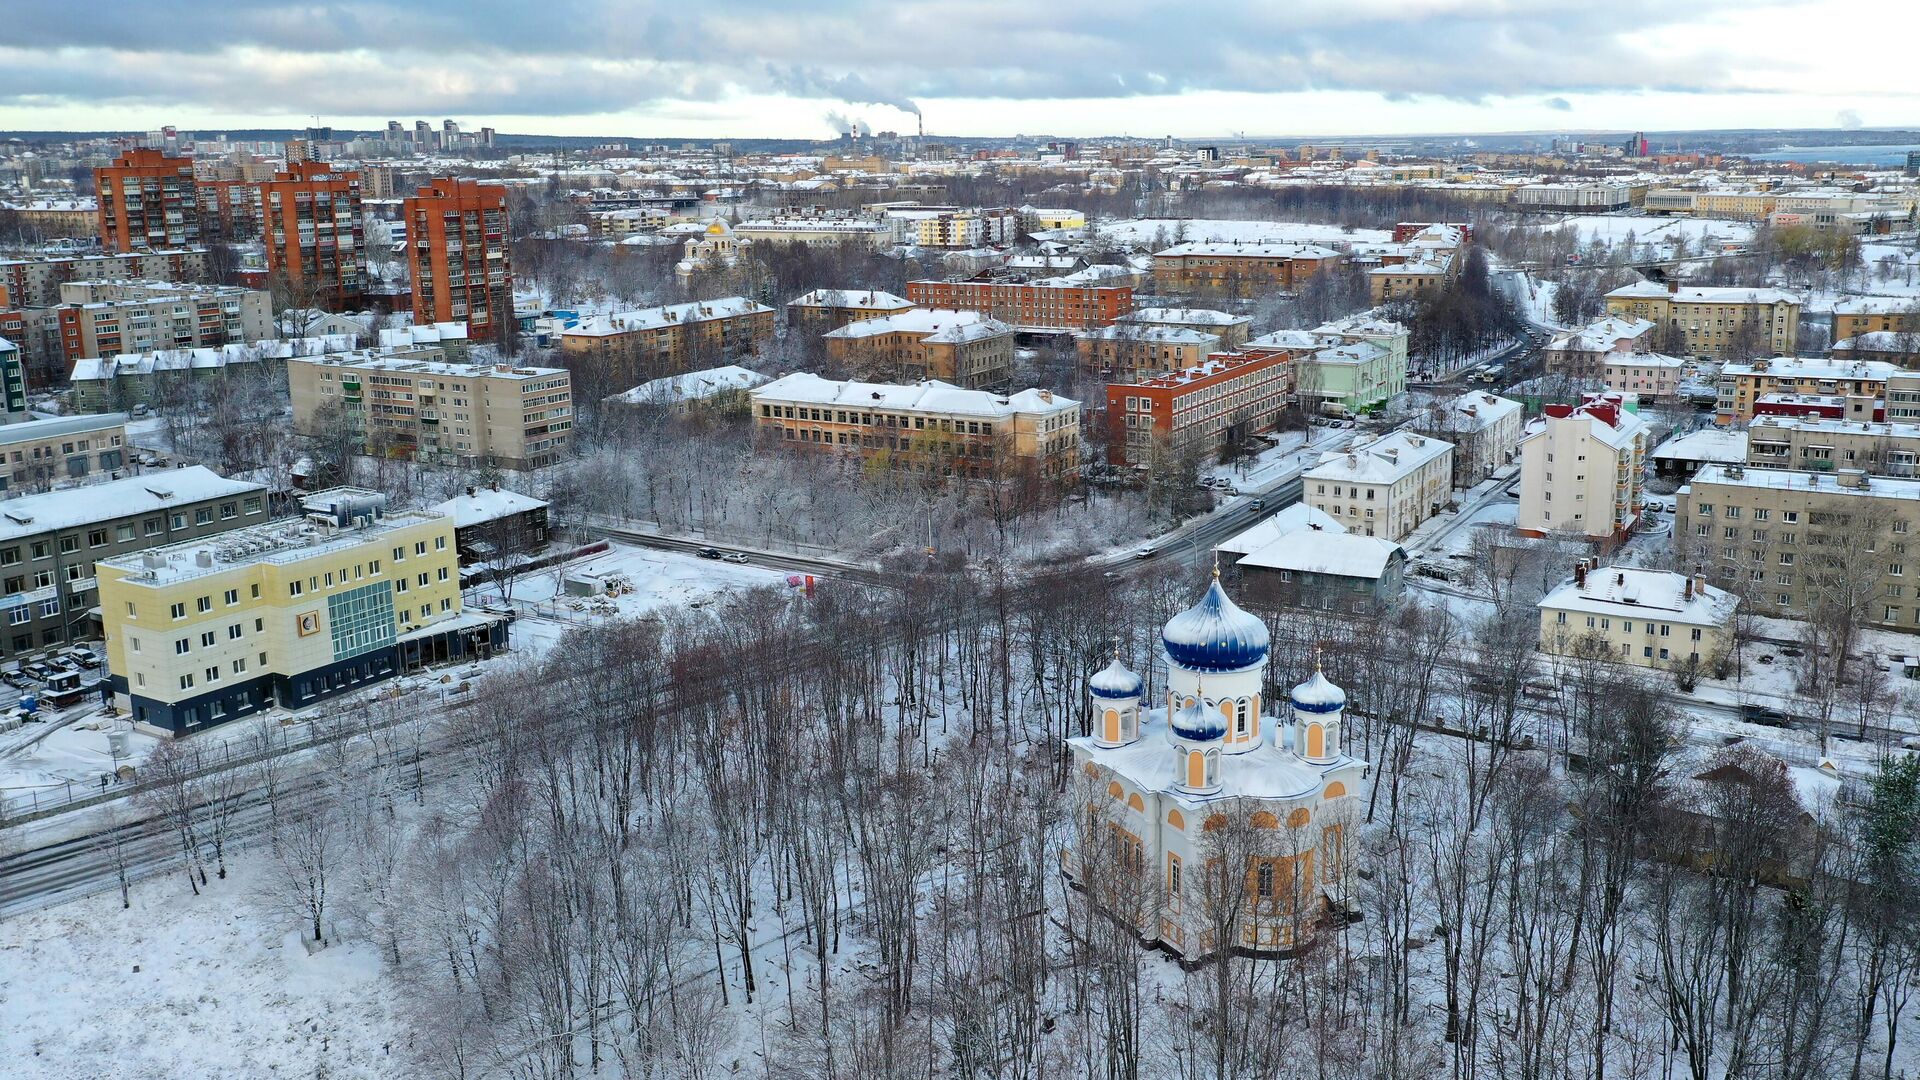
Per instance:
{"type": "Point", "coordinates": [584, 57]}
{"type": "Point", "coordinates": [1559, 104]}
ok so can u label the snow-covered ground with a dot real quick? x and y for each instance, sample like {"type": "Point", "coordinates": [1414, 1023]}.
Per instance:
{"type": "Point", "coordinates": [648, 581]}
{"type": "Point", "coordinates": [1140, 231]}
{"type": "Point", "coordinates": [216, 986]}
{"type": "Point", "coordinates": [1614, 229]}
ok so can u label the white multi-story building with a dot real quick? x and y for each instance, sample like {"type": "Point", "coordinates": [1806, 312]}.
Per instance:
{"type": "Point", "coordinates": [1580, 470]}
{"type": "Point", "coordinates": [1384, 488]}
{"type": "Point", "coordinates": [1484, 429]}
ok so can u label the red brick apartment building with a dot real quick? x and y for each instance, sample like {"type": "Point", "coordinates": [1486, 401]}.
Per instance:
{"type": "Point", "coordinates": [147, 200]}
{"type": "Point", "coordinates": [314, 235]}
{"type": "Point", "coordinates": [230, 210]}
{"type": "Point", "coordinates": [1234, 266]}
{"type": "Point", "coordinates": [1229, 397]}
{"type": "Point", "coordinates": [1028, 306]}
{"type": "Point", "coordinates": [457, 255]}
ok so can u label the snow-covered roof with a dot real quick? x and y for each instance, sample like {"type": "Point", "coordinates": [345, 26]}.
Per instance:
{"type": "Point", "coordinates": [1874, 305]}
{"type": "Point", "coordinates": [1383, 461]}
{"type": "Point", "coordinates": [1602, 334]}
{"type": "Point", "coordinates": [1822, 425]}
{"type": "Point", "coordinates": [1294, 517]}
{"type": "Point", "coordinates": [1634, 591]}
{"type": "Point", "coordinates": [58, 426]}
{"type": "Point", "coordinates": [1879, 341]}
{"type": "Point", "coordinates": [851, 300]}
{"type": "Point", "coordinates": [936, 324]}
{"type": "Point", "coordinates": [1647, 360]}
{"type": "Point", "coordinates": [930, 396]}
{"type": "Point", "coordinates": [439, 333]}
{"type": "Point", "coordinates": [1364, 324]}
{"type": "Point", "coordinates": [209, 357]}
{"type": "Point", "coordinates": [692, 385]}
{"type": "Point", "coordinates": [1215, 634]}
{"type": "Point", "coordinates": [32, 515]}
{"type": "Point", "coordinates": [1881, 487]}
{"type": "Point", "coordinates": [486, 504]}
{"type": "Point", "coordinates": [1357, 352]}
{"type": "Point", "coordinates": [621, 322]}
{"type": "Point", "coordinates": [1185, 316]}
{"type": "Point", "coordinates": [1475, 410]}
{"type": "Point", "coordinates": [1707, 444]}
{"type": "Point", "coordinates": [1251, 249]}
{"type": "Point", "coordinates": [1323, 551]}
{"type": "Point", "coordinates": [1293, 339]}
{"type": "Point", "coordinates": [1703, 294]}
{"type": "Point", "coordinates": [1159, 334]}
{"type": "Point", "coordinates": [1269, 771]}
{"type": "Point", "coordinates": [1794, 367]}
{"type": "Point", "coordinates": [413, 364]}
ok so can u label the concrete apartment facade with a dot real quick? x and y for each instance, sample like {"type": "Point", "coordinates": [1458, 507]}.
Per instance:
{"type": "Point", "coordinates": [36, 282]}
{"type": "Point", "coordinates": [1862, 384]}
{"type": "Point", "coordinates": [414, 404]}
{"type": "Point", "coordinates": [1714, 322]}
{"type": "Point", "coordinates": [1864, 315]}
{"type": "Point", "coordinates": [108, 318]}
{"type": "Point", "coordinates": [1384, 488]}
{"type": "Point", "coordinates": [1788, 539]}
{"type": "Point", "coordinates": [1132, 351]}
{"type": "Point", "coordinates": [1827, 446]}
{"type": "Point", "coordinates": [1484, 429]}
{"type": "Point", "coordinates": [40, 454]}
{"type": "Point", "coordinates": [1585, 353]}
{"type": "Point", "coordinates": [50, 543]}
{"type": "Point", "coordinates": [965, 348]}
{"type": "Point", "coordinates": [652, 342]}
{"type": "Point", "coordinates": [1650, 375]}
{"type": "Point", "coordinates": [932, 427]}
{"type": "Point", "coordinates": [1581, 470]}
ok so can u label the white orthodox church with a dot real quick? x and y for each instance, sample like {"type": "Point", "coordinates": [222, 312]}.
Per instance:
{"type": "Point", "coordinates": [1164, 777]}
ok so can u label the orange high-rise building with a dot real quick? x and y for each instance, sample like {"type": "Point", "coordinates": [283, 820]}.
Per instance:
{"type": "Point", "coordinates": [457, 255]}
{"type": "Point", "coordinates": [147, 202]}
{"type": "Point", "coordinates": [314, 235]}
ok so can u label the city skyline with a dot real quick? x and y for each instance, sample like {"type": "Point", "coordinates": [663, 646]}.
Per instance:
{"type": "Point", "coordinates": [752, 71]}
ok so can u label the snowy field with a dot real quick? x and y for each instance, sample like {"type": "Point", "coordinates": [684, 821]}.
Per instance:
{"type": "Point", "coordinates": [1141, 231]}
{"type": "Point", "coordinates": [216, 986]}
{"type": "Point", "coordinates": [1613, 229]}
{"type": "Point", "coordinates": [652, 581]}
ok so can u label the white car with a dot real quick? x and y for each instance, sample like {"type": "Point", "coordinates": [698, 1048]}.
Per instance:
{"type": "Point", "coordinates": [734, 557]}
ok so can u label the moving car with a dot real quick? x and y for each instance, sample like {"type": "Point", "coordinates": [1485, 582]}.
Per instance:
{"type": "Point", "coordinates": [708, 553]}
{"type": "Point", "coordinates": [1147, 552]}
{"type": "Point", "coordinates": [734, 557]}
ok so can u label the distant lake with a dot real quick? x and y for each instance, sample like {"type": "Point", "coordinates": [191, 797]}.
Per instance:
{"type": "Point", "coordinates": [1893, 157]}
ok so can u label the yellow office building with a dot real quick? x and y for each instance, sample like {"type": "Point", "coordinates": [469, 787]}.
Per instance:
{"type": "Point", "coordinates": [288, 613]}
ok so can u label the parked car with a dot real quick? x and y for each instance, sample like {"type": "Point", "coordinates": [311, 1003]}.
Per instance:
{"type": "Point", "coordinates": [708, 553]}
{"type": "Point", "coordinates": [1760, 714]}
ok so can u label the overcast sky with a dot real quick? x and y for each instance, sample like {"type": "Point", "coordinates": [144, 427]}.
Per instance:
{"type": "Point", "coordinates": [773, 68]}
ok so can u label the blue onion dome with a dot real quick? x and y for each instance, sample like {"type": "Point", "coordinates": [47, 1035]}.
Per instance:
{"type": "Point", "coordinates": [1215, 635]}
{"type": "Point", "coordinates": [1318, 695]}
{"type": "Point", "coordinates": [1115, 681]}
{"type": "Point", "coordinates": [1197, 723]}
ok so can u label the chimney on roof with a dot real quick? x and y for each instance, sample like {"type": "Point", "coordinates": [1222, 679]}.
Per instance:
{"type": "Point", "coordinates": [495, 486]}
{"type": "Point", "coordinates": [1620, 578]}
{"type": "Point", "coordinates": [1579, 573]}
{"type": "Point", "coordinates": [1687, 592]}
{"type": "Point", "coordinates": [470, 490]}
{"type": "Point", "coordinates": [1673, 286]}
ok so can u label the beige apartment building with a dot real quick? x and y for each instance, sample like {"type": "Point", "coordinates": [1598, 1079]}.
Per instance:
{"type": "Point", "coordinates": [1652, 376]}
{"type": "Point", "coordinates": [1584, 353]}
{"type": "Point", "coordinates": [1124, 352]}
{"type": "Point", "coordinates": [865, 233]}
{"type": "Point", "coordinates": [1581, 470]}
{"type": "Point", "coordinates": [1484, 429]}
{"type": "Point", "coordinates": [1647, 618]}
{"type": "Point", "coordinates": [823, 310]}
{"type": "Point", "coordinates": [1714, 323]}
{"type": "Point", "coordinates": [1860, 384]}
{"type": "Point", "coordinates": [1866, 315]}
{"type": "Point", "coordinates": [1827, 446]}
{"type": "Point", "coordinates": [961, 347]}
{"type": "Point", "coordinates": [1786, 538]}
{"type": "Point", "coordinates": [41, 454]}
{"type": "Point", "coordinates": [930, 427]}
{"type": "Point", "coordinates": [1385, 488]}
{"type": "Point", "coordinates": [36, 282]}
{"type": "Point", "coordinates": [107, 318]}
{"type": "Point", "coordinates": [413, 404]}
{"type": "Point", "coordinates": [651, 342]}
